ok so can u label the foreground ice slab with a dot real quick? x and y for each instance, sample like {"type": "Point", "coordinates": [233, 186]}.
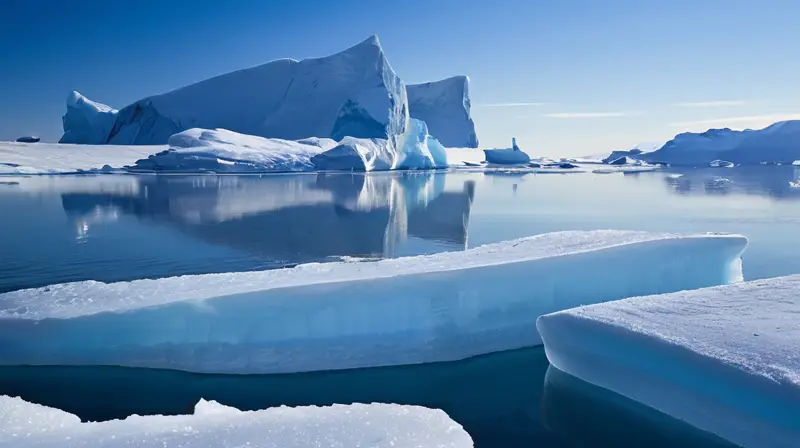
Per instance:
{"type": "Point", "coordinates": [54, 158]}
{"type": "Point", "coordinates": [216, 425]}
{"type": "Point", "coordinates": [723, 359]}
{"type": "Point", "coordinates": [445, 107]}
{"type": "Point", "coordinates": [409, 310]}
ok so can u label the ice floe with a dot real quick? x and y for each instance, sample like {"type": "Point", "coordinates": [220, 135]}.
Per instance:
{"type": "Point", "coordinates": [418, 309]}
{"type": "Point", "coordinates": [723, 359]}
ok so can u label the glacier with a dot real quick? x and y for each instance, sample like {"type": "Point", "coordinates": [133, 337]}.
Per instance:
{"type": "Point", "coordinates": [775, 143]}
{"type": "Point", "coordinates": [723, 359]}
{"type": "Point", "coordinates": [445, 106]}
{"type": "Point", "coordinates": [213, 424]}
{"type": "Point", "coordinates": [507, 156]}
{"type": "Point", "coordinates": [440, 307]}
{"type": "Point", "coordinates": [86, 122]}
{"type": "Point", "coordinates": [353, 93]}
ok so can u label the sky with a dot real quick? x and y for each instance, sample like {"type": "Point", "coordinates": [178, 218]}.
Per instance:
{"type": "Point", "coordinates": [565, 77]}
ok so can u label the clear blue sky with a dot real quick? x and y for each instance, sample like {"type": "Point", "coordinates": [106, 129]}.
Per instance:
{"type": "Point", "coordinates": [563, 76]}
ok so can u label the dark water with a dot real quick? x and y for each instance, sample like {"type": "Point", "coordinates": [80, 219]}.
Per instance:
{"type": "Point", "coordinates": [117, 228]}
{"type": "Point", "coordinates": [508, 399]}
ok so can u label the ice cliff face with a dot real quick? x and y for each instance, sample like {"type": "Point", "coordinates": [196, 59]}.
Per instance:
{"type": "Point", "coordinates": [445, 107]}
{"type": "Point", "coordinates": [86, 122]}
{"type": "Point", "coordinates": [779, 142]}
{"type": "Point", "coordinates": [353, 93]}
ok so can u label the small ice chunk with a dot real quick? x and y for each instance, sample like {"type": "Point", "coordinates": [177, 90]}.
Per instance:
{"type": "Point", "coordinates": [723, 359]}
{"type": "Point", "coordinates": [28, 139]}
{"type": "Point", "coordinates": [721, 164]}
{"type": "Point", "coordinates": [212, 424]}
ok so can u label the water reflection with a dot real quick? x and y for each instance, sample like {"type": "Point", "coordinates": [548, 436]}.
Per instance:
{"type": "Point", "coordinates": [294, 218]}
{"type": "Point", "coordinates": [779, 182]}
{"type": "Point", "coordinates": [587, 415]}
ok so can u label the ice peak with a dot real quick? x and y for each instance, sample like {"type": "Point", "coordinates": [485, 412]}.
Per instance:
{"type": "Point", "coordinates": [74, 98]}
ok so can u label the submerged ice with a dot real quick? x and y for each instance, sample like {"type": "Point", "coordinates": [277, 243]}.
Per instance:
{"type": "Point", "coordinates": [213, 424]}
{"type": "Point", "coordinates": [723, 359]}
{"type": "Point", "coordinates": [418, 309]}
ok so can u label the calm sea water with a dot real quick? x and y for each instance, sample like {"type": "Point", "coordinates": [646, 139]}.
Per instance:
{"type": "Point", "coordinates": [116, 228]}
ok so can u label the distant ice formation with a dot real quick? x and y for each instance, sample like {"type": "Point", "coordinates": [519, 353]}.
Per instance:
{"type": "Point", "coordinates": [213, 424]}
{"type": "Point", "coordinates": [507, 156]}
{"type": "Point", "coordinates": [723, 359]}
{"type": "Point", "coordinates": [445, 107]}
{"type": "Point", "coordinates": [410, 310]}
{"type": "Point", "coordinates": [55, 158]}
{"type": "Point", "coordinates": [87, 122]}
{"type": "Point", "coordinates": [721, 164]}
{"type": "Point", "coordinates": [28, 139]}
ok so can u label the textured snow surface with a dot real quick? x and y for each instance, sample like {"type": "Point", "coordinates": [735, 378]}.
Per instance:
{"type": "Point", "coordinates": [429, 308]}
{"type": "Point", "coordinates": [86, 122]}
{"type": "Point", "coordinates": [775, 143]}
{"type": "Point", "coordinates": [353, 93]}
{"type": "Point", "coordinates": [215, 425]}
{"type": "Point", "coordinates": [445, 107]}
{"type": "Point", "coordinates": [221, 150]}
{"type": "Point", "coordinates": [723, 359]}
{"type": "Point", "coordinates": [54, 158]}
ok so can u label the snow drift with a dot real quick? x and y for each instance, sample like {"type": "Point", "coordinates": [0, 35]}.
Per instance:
{"type": "Point", "coordinates": [445, 107]}
{"type": "Point", "coordinates": [723, 359]}
{"type": "Point", "coordinates": [212, 424]}
{"type": "Point", "coordinates": [87, 122]}
{"type": "Point", "coordinates": [353, 93]}
{"type": "Point", "coordinates": [440, 307]}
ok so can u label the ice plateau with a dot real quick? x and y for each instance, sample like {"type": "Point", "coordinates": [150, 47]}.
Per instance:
{"type": "Point", "coordinates": [86, 122]}
{"type": "Point", "coordinates": [445, 107]}
{"type": "Point", "coordinates": [353, 93]}
{"type": "Point", "coordinates": [213, 424]}
{"type": "Point", "coordinates": [56, 158]}
{"type": "Point", "coordinates": [419, 309]}
{"type": "Point", "coordinates": [724, 359]}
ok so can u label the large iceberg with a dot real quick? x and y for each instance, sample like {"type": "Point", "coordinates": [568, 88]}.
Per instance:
{"type": "Point", "coordinates": [419, 309]}
{"type": "Point", "coordinates": [213, 424]}
{"type": "Point", "coordinates": [220, 150]}
{"type": "Point", "coordinates": [775, 143]}
{"type": "Point", "coordinates": [87, 122]}
{"type": "Point", "coordinates": [353, 93]}
{"type": "Point", "coordinates": [723, 359]}
{"type": "Point", "coordinates": [507, 156]}
{"type": "Point", "coordinates": [445, 106]}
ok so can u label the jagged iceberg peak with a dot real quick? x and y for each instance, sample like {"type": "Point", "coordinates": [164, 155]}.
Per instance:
{"type": "Point", "coordinates": [86, 121]}
{"type": "Point", "coordinates": [352, 93]}
{"type": "Point", "coordinates": [445, 107]}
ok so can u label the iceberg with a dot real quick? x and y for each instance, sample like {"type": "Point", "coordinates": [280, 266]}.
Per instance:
{"type": "Point", "coordinates": [445, 107]}
{"type": "Point", "coordinates": [440, 307]}
{"type": "Point", "coordinates": [721, 164]}
{"type": "Point", "coordinates": [220, 150]}
{"type": "Point", "coordinates": [774, 144]}
{"type": "Point", "coordinates": [507, 156]}
{"type": "Point", "coordinates": [723, 359]}
{"type": "Point", "coordinates": [28, 139]}
{"type": "Point", "coordinates": [624, 160]}
{"type": "Point", "coordinates": [353, 93]}
{"type": "Point", "coordinates": [87, 122]}
{"type": "Point", "coordinates": [412, 150]}
{"type": "Point", "coordinates": [213, 424]}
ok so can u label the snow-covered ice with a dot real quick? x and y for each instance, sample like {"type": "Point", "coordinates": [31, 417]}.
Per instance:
{"type": "Point", "coordinates": [353, 93]}
{"type": "Point", "coordinates": [445, 107]}
{"type": "Point", "coordinates": [86, 122]}
{"type": "Point", "coordinates": [723, 359]}
{"type": "Point", "coordinates": [54, 158]}
{"type": "Point", "coordinates": [409, 310]}
{"type": "Point", "coordinates": [507, 156]}
{"type": "Point", "coordinates": [216, 425]}
{"type": "Point", "coordinates": [220, 150]}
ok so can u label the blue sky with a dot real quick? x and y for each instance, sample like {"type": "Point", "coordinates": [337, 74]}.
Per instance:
{"type": "Point", "coordinates": [566, 77]}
